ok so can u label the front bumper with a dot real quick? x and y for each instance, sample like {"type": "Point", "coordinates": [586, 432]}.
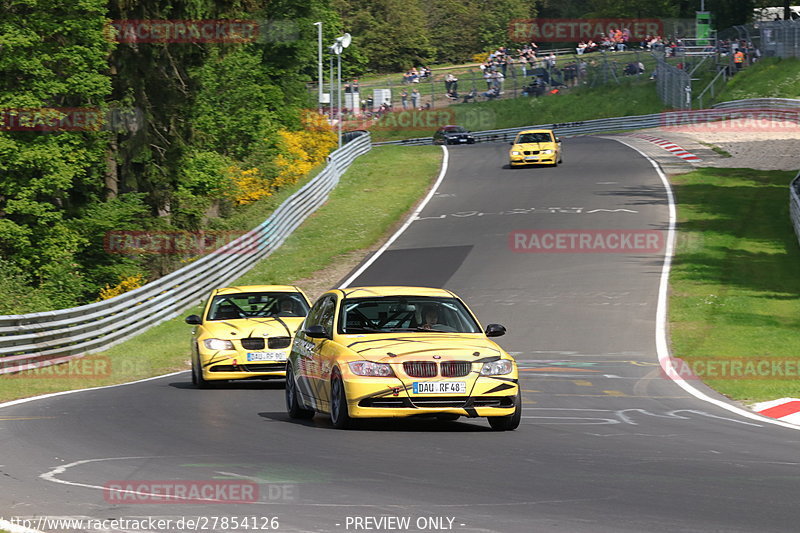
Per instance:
{"type": "Point", "coordinates": [518, 160]}
{"type": "Point", "coordinates": [233, 364]}
{"type": "Point", "coordinates": [390, 398]}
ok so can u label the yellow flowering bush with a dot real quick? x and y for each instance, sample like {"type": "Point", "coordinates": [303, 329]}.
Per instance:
{"type": "Point", "coordinates": [303, 150]}
{"type": "Point", "coordinates": [126, 284]}
{"type": "Point", "coordinates": [481, 58]}
{"type": "Point", "coordinates": [248, 185]}
{"type": "Point", "coordinates": [299, 152]}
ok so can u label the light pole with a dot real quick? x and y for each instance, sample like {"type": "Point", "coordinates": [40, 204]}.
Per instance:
{"type": "Point", "coordinates": [330, 80]}
{"type": "Point", "coordinates": [319, 66]}
{"type": "Point", "coordinates": [338, 46]}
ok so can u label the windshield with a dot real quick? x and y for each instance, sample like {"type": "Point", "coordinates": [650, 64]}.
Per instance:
{"type": "Point", "coordinates": [257, 304]}
{"type": "Point", "coordinates": [541, 137]}
{"type": "Point", "coordinates": [454, 129]}
{"type": "Point", "coordinates": [405, 313]}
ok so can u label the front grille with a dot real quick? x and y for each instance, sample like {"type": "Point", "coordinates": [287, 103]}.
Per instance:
{"type": "Point", "coordinates": [419, 369]}
{"type": "Point", "coordinates": [391, 402]}
{"type": "Point", "coordinates": [276, 343]}
{"type": "Point", "coordinates": [531, 152]}
{"type": "Point", "coordinates": [492, 401]}
{"type": "Point", "coordinates": [455, 369]}
{"type": "Point", "coordinates": [436, 401]}
{"type": "Point", "coordinates": [253, 367]}
{"type": "Point", "coordinates": [253, 343]}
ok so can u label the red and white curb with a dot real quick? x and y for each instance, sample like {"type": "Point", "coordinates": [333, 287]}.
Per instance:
{"type": "Point", "coordinates": [668, 146]}
{"type": "Point", "coordinates": [786, 409]}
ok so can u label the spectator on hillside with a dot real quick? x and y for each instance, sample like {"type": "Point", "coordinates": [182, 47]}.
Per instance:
{"type": "Point", "coordinates": [404, 98]}
{"type": "Point", "coordinates": [492, 93]}
{"type": "Point", "coordinates": [415, 96]}
{"type": "Point", "coordinates": [450, 83]}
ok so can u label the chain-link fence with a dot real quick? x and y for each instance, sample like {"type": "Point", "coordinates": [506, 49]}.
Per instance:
{"type": "Point", "coordinates": [446, 86]}
{"type": "Point", "coordinates": [673, 83]}
{"type": "Point", "coordinates": [780, 38]}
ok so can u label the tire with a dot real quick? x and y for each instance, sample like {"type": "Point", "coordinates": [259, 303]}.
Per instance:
{"type": "Point", "coordinates": [293, 406]}
{"type": "Point", "coordinates": [197, 376]}
{"type": "Point", "coordinates": [340, 415]}
{"type": "Point", "coordinates": [510, 422]}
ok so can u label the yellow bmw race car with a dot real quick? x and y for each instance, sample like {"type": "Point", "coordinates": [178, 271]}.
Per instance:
{"type": "Point", "coordinates": [245, 333]}
{"type": "Point", "coordinates": [396, 352]}
{"type": "Point", "coordinates": [535, 147]}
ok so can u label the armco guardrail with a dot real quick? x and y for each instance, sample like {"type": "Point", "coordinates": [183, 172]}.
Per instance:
{"type": "Point", "coordinates": [606, 125]}
{"type": "Point", "coordinates": [40, 339]}
{"type": "Point", "coordinates": [794, 204]}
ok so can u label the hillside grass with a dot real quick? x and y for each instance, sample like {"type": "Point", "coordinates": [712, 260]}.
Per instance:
{"type": "Point", "coordinates": [375, 193]}
{"type": "Point", "coordinates": [768, 78]}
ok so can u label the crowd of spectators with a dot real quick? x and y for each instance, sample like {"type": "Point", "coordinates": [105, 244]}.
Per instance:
{"type": "Point", "coordinates": [416, 75]}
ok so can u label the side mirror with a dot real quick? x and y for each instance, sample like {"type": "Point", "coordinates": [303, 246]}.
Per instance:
{"type": "Point", "coordinates": [194, 320]}
{"type": "Point", "coordinates": [316, 332]}
{"type": "Point", "coordinates": [558, 140]}
{"type": "Point", "coordinates": [495, 330]}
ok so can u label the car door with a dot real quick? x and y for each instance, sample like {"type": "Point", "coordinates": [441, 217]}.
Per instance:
{"type": "Point", "coordinates": [305, 351]}
{"type": "Point", "coordinates": [326, 353]}
{"type": "Point", "coordinates": [310, 357]}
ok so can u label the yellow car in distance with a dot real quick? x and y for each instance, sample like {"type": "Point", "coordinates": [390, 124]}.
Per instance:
{"type": "Point", "coordinates": [245, 333]}
{"type": "Point", "coordinates": [535, 147]}
{"type": "Point", "coordinates": [374, 352]}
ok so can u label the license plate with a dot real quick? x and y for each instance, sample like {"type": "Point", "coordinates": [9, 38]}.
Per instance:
{"type": "Point", "coordinates": [531, 159]}
{"type": "Point", "coordinates": [266, 356]}
{"type": "Point", "coordinates": [462, 140]}
{"type": "Point", "coordinates": [439, 387]}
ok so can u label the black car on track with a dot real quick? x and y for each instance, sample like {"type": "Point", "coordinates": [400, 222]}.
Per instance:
{"type": "Point", "coordinates": [453, 135]}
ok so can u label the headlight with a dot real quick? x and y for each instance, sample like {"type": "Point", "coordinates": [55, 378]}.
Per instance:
{"type": "Point", "coordinates": [368, 368]}
{"type": "Point", "coordinates": [497, 368]}
{"type": "Point", "coordinates": [547, 152]}
{"type": "Point", "coordinates": [218, 344]}
{"type": "Point", "coordinates": [514, 152]}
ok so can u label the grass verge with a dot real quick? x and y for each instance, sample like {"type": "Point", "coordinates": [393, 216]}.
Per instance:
{"type": "Point", "coordinates": [735, 289]}
{"type": "Point", "coordinates": [377, 191]}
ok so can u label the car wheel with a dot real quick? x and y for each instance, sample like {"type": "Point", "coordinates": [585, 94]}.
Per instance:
{"type": "Point", "coordinates": [293, 406]}
{"type": "Point", "coordinates": [510, 422]}
{"type": "Point", "coordinates": [340, 415]}
{"type": "Point", "coordinates": [197, 376]}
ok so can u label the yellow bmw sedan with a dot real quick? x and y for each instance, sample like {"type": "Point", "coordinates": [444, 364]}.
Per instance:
{"type": "Point", "coordinates": [535, 147]}
{"type": "Point", "coordinates": [245, 333]}
{"type": "Point", "coordinates": [374, 352]}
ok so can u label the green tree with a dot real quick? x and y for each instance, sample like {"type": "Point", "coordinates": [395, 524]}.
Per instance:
{"type": "Point", "coordinates": [52, 56]}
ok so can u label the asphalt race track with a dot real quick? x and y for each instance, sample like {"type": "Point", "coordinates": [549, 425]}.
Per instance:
{"type": "Point", "coordinates": [607, 444]}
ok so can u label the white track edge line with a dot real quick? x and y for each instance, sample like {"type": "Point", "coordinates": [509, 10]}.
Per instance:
{"type": "Point", "coordinates": [405, 226]}
{"type": "Point", "coordinates": [62, 393]}
{"type": "Point", "coordinates": [662, 345]}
